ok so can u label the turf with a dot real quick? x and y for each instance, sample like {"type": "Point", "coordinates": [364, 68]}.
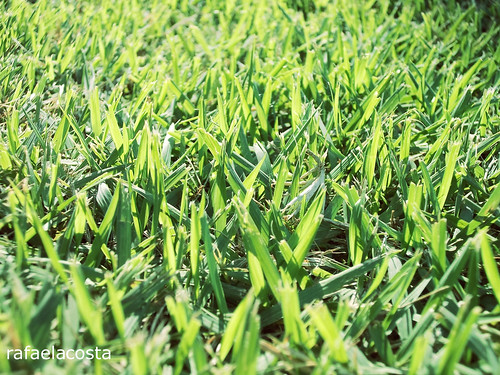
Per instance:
{"type": "Point", "coordinates": [251, 186]}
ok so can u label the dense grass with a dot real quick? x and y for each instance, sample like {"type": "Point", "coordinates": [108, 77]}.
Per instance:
{"type": "Point", "coordinates": [206, 186]}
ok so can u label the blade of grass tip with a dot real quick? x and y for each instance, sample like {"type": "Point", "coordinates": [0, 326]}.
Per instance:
{"type": "Point", "coordinates": [88, 311]}
{"type": "Point", "coordinates": [250, 179]}
{"type": "Point", "coordinates": [295, 328]}
{"type": "Point", "coordinates": [246, 360]}
{"type": "Point", "coordinates": [303, 237]}
{"type": "Point", "coordinates": [21, 243]}
{"type": "Point", "coordinates": [69, 321]}
{"type": "Point", "coordinates": [13, 131]}
{"type": "Point", "coordinates": [134, 212]}
{"type": "Point", "coordinates": [430, 189]}
{"type": "Point", "coordinates": [103, 232]}
{"type": "Point", "coordinates": [411, 230]}
{"type": "Point", "coordinates": [404, 283]}
{"type": "Point", "coordinates": [293, 269]}
{"type": "Point", "coordinates": [366, 109]}
{"type": "Point", "coordinates": [296, 105]}
{"type": "Point", "coordinates": [84, 149]}
{"type": "Point", "coordinates": [95, 113]}
{"type": "Point", "coordinates": [257, 250]}
{"type": "Point", "coordinates": [473, 282]}
{"type": "Point", "coordinates": [115, 298]}
{"type": "Point", "coordinates": [326, 327]}
{"type": "Point", "coordinates": [53, 180]}
{"type": "Point", "coordinates": [80, 219]}
{"type": "Point", "coordinates": [378, 279]}
{"type": "Point", "coordinates": [324, 288]}
{"type": "Point", "coordinates": [450, 277]}
{"type": "Point", "coordinates": [233, 178]}
{"type": "Point", "coordinates": [438, 244]}
{"type": "Point", "coordinates": [305, 195]}
{"type": "Point", "coordinates": [221, 107]}
{"type": "Point", "coordinates": [451, 160]}
{"type": "Point", "coordinates": [213, 268]}
{"type": "Point", "coordinates": [418, 355]}
{"type": "Point", "coordinates": [44, 237]}
{"type": "Point", "coordinates": [123, 229]}
{"type": "Point", "coordinates": [210, 141]}
{"type": "Point", "coordinates": [114, 130]}
{"type": "Point", "coordinates": [356, 246]}
{"type": "Point", "coordinates": [261, 115]}
{"type": "Point", "coordinates": [458, 338]}
{"type": "Point", "coordinates": [266, 98]}
{"type": "Point", "coordinates": [395, 291]}
{"type": "Point", "coordinates": [236, 327]}
{"type": "Point", "coordinates": [479, 342]}
{"type": "Point", "coordinates": [138, 358]}
{"type": "Point", "coordinates": [378, 336]}
{"type": "Point", "coordinates": [21, 309]}
{"type": "Point", "coordinates": [195, 249]}
{"type": "Point", "coordinates": [461, 84]}
{"type": "Point", "coordinates": [186, 344]}
{"type": "Point", "coordinates": [489, 263]}
{"type": "Point", "coordinates": [244, 103]}
{"type": "Point", "coordinates": [490, 205]}
{"type": "Point", "coordinates": [169, 254]}
{"type": "Point", "coordinates": [179, 311]}
{"type": "Point", "coordinates": [256, 274]}
{"type": "Point", "coordinates": [371, 156]}
{"type": "Point", "coordinates": [199, 355]}
{"type": "Point", "coordinates": [280, 183]}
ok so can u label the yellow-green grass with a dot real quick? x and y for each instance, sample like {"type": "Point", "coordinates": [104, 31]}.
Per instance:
{"type": "Point", "coordinates": [251, 186]}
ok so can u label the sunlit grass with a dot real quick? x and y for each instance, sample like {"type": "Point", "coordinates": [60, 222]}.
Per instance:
{"type": "Point", "coordinates": [251, 187]}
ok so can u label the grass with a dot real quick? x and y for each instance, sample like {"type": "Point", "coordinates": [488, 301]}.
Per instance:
{"type": "Point", "coordinates": [251, 187]}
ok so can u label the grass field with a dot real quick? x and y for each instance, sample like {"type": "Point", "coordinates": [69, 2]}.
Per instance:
{"type": "Point", "coordinates": [251, 186]}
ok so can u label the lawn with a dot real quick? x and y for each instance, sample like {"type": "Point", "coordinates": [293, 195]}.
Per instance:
{"type": "Point", "coordinates": [298, 187]}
